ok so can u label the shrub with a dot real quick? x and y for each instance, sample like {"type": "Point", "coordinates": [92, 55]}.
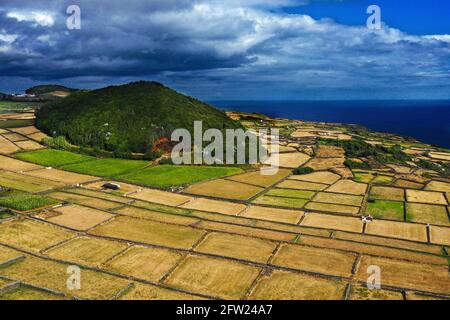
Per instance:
{"type": "Point", "coordinates": [356, 165]}
{"type": "Point", "coordinates": [58, 142]}
{"type": "Point", "coordinates": [303, 170]}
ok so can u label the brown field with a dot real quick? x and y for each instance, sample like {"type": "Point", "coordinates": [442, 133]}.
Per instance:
{"type": "Point", "coordinates": [282, 285]}
{"type": "Point", "coordinates": [37, 136]}
{"type": "Point", "coordinates": [78, 217]}
{"type": "Point", "coordinates": [288, 160]}
{"type": "Point", "coordinates": [162, 197]}
{"type": "Point", "coordinates": [256, 178]}
{"type": "Point", "coordinates": [290, 193]}
{"type": "Point", "coordinates": [407, 184]}
{"type": "Point", "coordinates": [246, 231]}
{"type": "Point", "coordinates": [293, 203]}
{"type": "Point", "coordinates": [272, 214]}
{"type": "Point", "coordinates": [82, 200]}
{"type": "Point", "coordinates": [150, 292]}
{"type": "Point", "coordinates": [325, 163]}
{"type": "Point", "coordinates": [372, 250]}
{"type": "Point", "coordinates": [10, 164]}
{"type": "Point", "coordinates": [87, 251]}
{"type": "Point", "coordinates": [338, 198]}
{"type": "Point", "coordinates": [216, 277]}
{"type": "Point", "coordinates": [416, 296]}
{"type": "Point", "coordinates": [323, 151]}
{"type": "Point", "coordinates": [53, 275]}
{"type": "Point", "coordinates": [359, 292]}
{"type": "Point", "coordinates": [29, 145]}
{"type": "Point", "coordinates": [7, 254]}
{"type": "Point", "coordinates": [145, 263]}
{"type": "Point", "coordinates": [156, 216]}
{"type": "Point", "coordinates": [3, 283]}
{"type": "Point", "coordinates": [215, 206]}
{"type": "Point", "coordinates": [150, 232]}
{"type": "Point", "coordinates": [425, 197]}
{"type": "Point", "coordinates": [397, 243]}
{"type": "Point", "coordinates": [7, 147]}
{"type": "Point", "coordinates": [344, 172]}
{"type": "Point", "coordinates": [427, 213]}
{"type": "Point", "coordinates": [14, 137]}
{"type": "Point", "coordinates": [302, 134]}
{"type": "Point", "coordinates": [348, 187]}
{"type": "Point", "coordinates": [387, 193]}
{"type": "Point", "coordinates": [408, 274]}
{"type": "Point", "coordinates": [325, 177]}
{"type": "Point", "coordinates": [31, 235]}
{"type": "Point", "coordinates": [440, 235]}
{"type": "Point", "coordinates": [239, 247]}
{"type": "Point", "coordinates": [302, 185]}
{"type": "Point", "coordinates": [25, 130]}
{"type": "Point", "coordinates": [330, 207]}
{"type": "Point", "coordinates": [286, 149]}
{"type": "Point", "coordinates": [399, 169]}
{"type": "Point", "coordinates": [225, 189]}
{"type": "Point", "coordinates": [26, 183]}
{"type": "Point", "coordinates": [318, 260]}
{"type": "Point", "coordinates": [394, 229]}
{"type": "Point", "coordinates": [61, 176]}
{"type": "Point", "coordinates": [438, 186]}
{"type": "Point", "coordinates": [440, 156]}
{"type": "Point", "coordinates": [25, 293]}
{"type": "Point", "coordinates": [327, 221]}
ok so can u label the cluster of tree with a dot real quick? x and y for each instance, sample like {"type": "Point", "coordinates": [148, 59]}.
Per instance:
{"type": "Point", "coordinates": [443, 168]}
{"type": "Point", "coordinates": [357, 148]}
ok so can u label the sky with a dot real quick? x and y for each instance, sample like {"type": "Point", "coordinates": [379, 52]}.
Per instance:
{"type": "Point", "coordinates": [234, 49]}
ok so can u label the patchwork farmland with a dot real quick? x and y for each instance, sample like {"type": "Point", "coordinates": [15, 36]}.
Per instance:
{"type": "Point", "coordinates": [182, 232]}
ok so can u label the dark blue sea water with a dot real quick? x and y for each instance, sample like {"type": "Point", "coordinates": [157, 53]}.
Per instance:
{"type": "Point", "coordinates": [427, 121]}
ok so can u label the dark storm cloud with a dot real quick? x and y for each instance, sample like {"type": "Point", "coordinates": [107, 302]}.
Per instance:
{"type": "Point", "coordinates": [211, 48]}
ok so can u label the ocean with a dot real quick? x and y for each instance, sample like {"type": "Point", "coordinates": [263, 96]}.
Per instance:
{"type": "Point", "coordinates": [428, 121]}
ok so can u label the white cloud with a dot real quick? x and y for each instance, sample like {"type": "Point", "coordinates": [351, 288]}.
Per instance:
{"type": "Point", "coordinates": [42, 18]}
{"type": "Point", "coordinates": [220, 44]}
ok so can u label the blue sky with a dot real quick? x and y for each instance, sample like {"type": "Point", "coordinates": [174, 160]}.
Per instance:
{"type": "Point", "coordinates": [419, 17]}
{"type": "Point", "coordinates": [234, 49]}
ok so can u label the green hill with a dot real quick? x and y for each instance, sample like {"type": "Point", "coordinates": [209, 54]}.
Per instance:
{"type": "Point", "coordinates": [127, 118]}
{"type": "Point", "coordinates": [48, 88]}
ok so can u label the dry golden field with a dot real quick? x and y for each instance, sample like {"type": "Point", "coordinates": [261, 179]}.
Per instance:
{"type": "Point", "coordinates": [245, 236]}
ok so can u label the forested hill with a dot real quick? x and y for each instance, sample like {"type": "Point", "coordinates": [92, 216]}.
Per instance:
{"type": "Point", "coordinates": [127, 118]}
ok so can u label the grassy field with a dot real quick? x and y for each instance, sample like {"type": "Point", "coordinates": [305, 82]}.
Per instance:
{"type": "Point", "coordinates": [25, 202]}
{"type": "Point", "coordinates": [53, 158]}
{"type": "Point", "coordinates": [134, 171]}
{"type": "Point", "coordinates": [166, 176]}
{"type": "Point", "coordinates": [107, 167]}
{"type": "Point", "coordinates": [392, 210]}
